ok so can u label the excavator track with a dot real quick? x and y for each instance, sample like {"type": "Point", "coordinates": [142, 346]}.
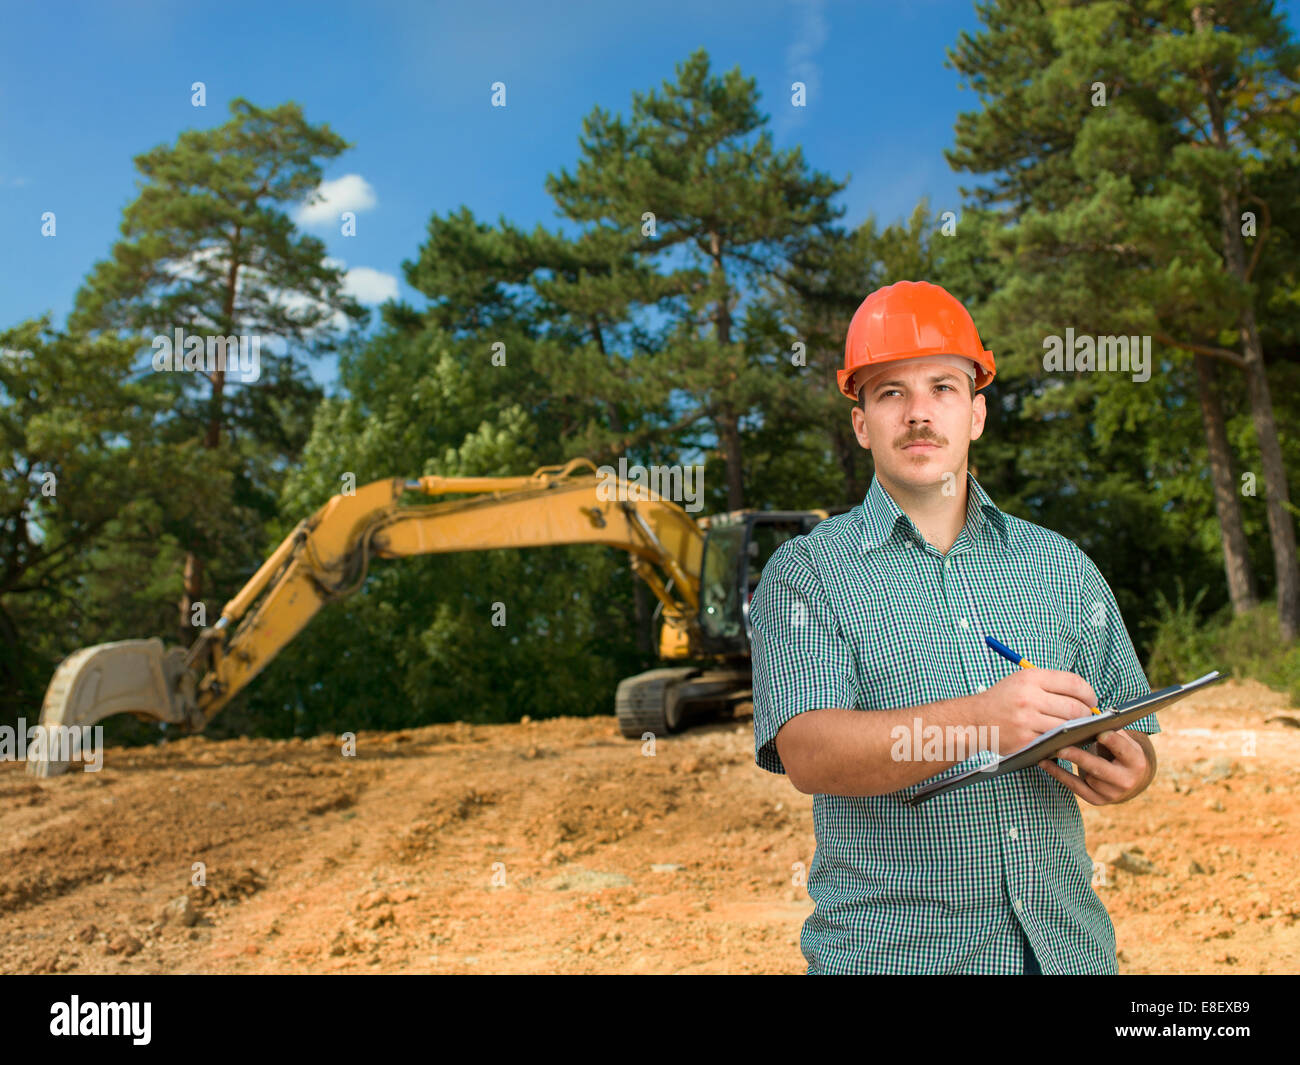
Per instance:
{"type": "Point", "coordinates": [661, 701]}
{"type": "Point", "coordinates": [641, 702]}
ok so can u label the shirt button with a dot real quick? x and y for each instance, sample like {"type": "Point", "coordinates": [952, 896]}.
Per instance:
{"type": "Point", "coordinates": [1020, 906]}
{"type": "Point", "coordinates": [963, 623]}
{"type": "Point", "coordinates": [981, 688]}
{"type": "Point", "coordinates": [1014, 833]}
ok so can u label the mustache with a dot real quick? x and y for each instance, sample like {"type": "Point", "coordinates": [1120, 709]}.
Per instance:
{"type": "Point", "coordinates": [924, 435]}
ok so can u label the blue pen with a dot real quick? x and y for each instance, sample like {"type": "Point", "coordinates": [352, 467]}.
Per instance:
{"type": "Point", "coordinates": [1011, 656]}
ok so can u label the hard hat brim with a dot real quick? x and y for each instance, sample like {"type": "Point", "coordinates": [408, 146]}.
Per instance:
{"type": "Point", "coordinates": [850, 386]}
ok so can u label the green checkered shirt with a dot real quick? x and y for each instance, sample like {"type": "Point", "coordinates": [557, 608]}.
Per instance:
{"type": "Point", "coordinates": [863, 613]}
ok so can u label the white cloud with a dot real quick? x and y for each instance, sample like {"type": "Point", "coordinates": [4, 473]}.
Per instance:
{"type": "Point", "coordinates": [365, 284]}
{"type": "Point", "coordinates": [370, 286]}
{"type": "Point", "coordinates": [351, 192]}
{"type": "Point", "coordinates": [801, 65]}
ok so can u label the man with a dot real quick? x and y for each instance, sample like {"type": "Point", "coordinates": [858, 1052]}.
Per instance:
{"type": "Point", "coordinates": [871, 629]}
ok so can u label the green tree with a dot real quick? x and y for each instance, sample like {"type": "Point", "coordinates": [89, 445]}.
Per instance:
{"type": "Point", "coordinates": [1123, 141]}
{"type": "Point", "coordinates": [555, 320]}
{"type": "Point", "coordinates": [208, 248]}
{"type": "Point", "coordinates": [695, 179]}
{"type": "Point", "coordinates": [92, 499]}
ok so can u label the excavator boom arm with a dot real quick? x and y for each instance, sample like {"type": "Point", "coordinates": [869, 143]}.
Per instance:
{"type": "Point", "coordinates": [327, 556]}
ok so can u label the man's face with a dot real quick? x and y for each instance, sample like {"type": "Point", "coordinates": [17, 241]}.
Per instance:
{"type": "Point", "coordinates": [918, 418]}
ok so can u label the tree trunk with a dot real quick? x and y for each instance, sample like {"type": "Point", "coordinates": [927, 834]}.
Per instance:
{"type": "Point", "coordinates": [194, 564]}
{"type": "Point", "coordinates": [1281, 527]}
{"type": "Point", "coordinates": [732, 454]}
{"type": "Point", "coordinates": [615, 422]}
{"type": "Point", "coordinates": [727, 420]}
{"type": "Point", "coordinates": [1227, 502]}
{"type": "Point", "coordinates": [211, 439]}
{"type": "Point", "coordinates": [193, 587]}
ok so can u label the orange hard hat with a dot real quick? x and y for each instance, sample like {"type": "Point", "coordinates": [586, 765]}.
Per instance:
{"type": "Point", "coordinates": [910, 320]}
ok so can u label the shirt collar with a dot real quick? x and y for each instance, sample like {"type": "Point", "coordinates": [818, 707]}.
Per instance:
{"type": "Point", "coordinates": [883, 517]}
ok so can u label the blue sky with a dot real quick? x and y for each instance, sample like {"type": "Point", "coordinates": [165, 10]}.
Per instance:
{"type": "Point", "coordinates": [84, 87]}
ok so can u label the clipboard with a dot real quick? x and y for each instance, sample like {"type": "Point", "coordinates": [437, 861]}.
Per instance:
{"type": "Point", "coordinates": [1067, 734]}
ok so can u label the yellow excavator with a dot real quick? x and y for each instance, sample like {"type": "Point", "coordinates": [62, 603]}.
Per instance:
{"type": "Point", "coordinates": [702, 572]}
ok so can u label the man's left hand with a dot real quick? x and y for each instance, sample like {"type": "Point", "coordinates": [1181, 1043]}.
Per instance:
{"type": "Point", "coordinates": [1123, 764]}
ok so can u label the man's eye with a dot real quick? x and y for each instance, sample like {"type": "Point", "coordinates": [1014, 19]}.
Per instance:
{"type": "Point", "coordinates": [894, 391]}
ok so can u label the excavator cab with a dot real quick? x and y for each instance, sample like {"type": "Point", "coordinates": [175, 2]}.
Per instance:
{"type": "Point", "coordinates": [737, 549]}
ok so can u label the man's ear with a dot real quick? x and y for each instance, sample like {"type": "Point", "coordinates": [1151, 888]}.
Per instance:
{"type": "Point", "coordinates": [860, 427]}
{"type": "Point", "coordinates": [978, 414]}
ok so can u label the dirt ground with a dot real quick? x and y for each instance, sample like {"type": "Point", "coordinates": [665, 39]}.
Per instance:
{"type": "Point", "coordinates": [559, 847]}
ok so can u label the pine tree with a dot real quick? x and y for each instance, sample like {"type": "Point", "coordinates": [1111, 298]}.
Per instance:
{"type": "Point", "coordinates": [694, 176]}
{"type": "Point", "coordinates": [1124, 141]}
{"type": "Point", "coordinates": [208, 248]}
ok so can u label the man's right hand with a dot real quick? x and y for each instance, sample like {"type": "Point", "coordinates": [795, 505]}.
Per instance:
{"type": "Point", "coordinates": [1029, 702]}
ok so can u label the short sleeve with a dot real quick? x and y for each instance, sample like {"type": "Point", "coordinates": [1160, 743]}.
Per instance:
{"type": "Point", "coordinates": [800, 660]}
{"type": "Point", "coordinates": [1107, 659]}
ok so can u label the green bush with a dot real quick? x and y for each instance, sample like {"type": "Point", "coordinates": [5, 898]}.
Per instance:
{"type": "Point", "coordinates": [1181, 645]}
{"type": "Point", "coordinates": [1184, 645]}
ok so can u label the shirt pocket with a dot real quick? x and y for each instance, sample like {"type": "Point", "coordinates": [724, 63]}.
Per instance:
{"type": "Point", "coordinates": [895, 668]}
{"type": "Point", "coordinates": [1046, 638]}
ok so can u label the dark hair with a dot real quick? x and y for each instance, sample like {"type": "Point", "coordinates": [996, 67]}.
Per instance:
{"type": "Point", "coordinates": [862, 393]}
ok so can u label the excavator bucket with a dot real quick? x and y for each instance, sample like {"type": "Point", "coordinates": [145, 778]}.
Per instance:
{"type": "Point", "coordinates": [131, 676]}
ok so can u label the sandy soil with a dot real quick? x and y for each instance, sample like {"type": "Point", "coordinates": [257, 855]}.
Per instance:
{"type": "Point", "coordinates": [557, 846]}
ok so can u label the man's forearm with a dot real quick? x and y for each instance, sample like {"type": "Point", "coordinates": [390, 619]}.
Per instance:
{"type": "Point", "coordinates": [851, 752]}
